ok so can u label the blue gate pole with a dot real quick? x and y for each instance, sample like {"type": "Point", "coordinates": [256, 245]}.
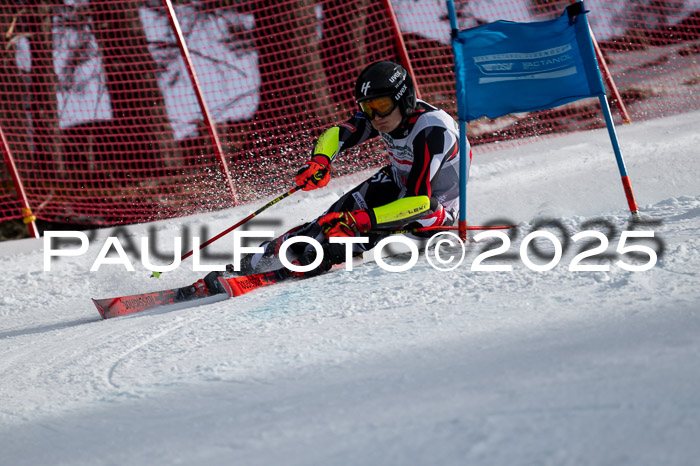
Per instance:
{"type": "Point", "coordinates": [626, 183]}
{"type": "Point", "coordinates": [464, 161]}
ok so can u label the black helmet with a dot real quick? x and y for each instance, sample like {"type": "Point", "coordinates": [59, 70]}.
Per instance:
{"type": "Point", "coordinates": [385, 78]}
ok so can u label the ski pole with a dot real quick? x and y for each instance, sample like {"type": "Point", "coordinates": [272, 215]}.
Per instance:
{"type": "Point", "coordinates": [230, 229]}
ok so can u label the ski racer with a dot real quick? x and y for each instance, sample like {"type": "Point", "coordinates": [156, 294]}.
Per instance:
{"type": "Point", "coordinates": [418, 187]}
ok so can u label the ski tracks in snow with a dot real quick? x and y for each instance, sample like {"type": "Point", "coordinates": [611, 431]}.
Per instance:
{"type": "Point", "coordinates": [333, 319]}
{"type": "Point", "coordinates": [81, 363]}
{"type": "Point", "coordinates": [144, 343]}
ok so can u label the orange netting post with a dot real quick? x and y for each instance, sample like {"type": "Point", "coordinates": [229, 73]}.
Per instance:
{"type": "Point", "coordinates": [404, 59]}
{"type": "Point", "coordinates": [608, 79]}
{"type": "Point", "coordinates": [27, 215]}
{"type": "Point", "coordinates": [209, 122]}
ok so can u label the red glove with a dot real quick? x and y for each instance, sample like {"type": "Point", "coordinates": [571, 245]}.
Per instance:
{"type": "Point", "coordinates": [345, 223]}
{"type": "Point", "coordinates": [316, 173]}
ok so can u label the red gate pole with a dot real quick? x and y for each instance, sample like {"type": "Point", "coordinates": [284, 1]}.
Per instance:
{"type": "Point", "coordinates": [400, 44]}
{"type": "Point", "coordinates": [27, 216]}
{"type": "Point", "coordinates": [211, 127]}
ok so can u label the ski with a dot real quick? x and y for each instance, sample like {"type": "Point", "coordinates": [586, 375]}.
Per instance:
{"type": "Point", "coordinates": [236, 286]}
{"type": "Point", "coordinates": [193, 295]}
{"type": "Point", "coordinates": [242, 284]}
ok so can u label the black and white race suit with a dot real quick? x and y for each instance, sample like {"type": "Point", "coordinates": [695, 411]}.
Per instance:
{"type": "Point", "coordinates": [423, 156]}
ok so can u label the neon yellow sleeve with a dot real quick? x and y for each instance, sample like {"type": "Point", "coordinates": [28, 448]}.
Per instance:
{"type": "Point", "coordinates": [328, 143]}
{"type": "Point", "coordinates": [400, 211]}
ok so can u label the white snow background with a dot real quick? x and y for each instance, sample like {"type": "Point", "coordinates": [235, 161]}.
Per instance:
{"type": "Point", "coordinates": [368, 367]}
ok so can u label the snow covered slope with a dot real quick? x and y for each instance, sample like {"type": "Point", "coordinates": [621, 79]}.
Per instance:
{"type": "Point", "coordinates": [372, 367]}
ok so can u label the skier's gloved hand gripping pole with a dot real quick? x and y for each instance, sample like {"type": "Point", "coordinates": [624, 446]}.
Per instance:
{"type": "Point", "coordinates": [390, 218]}
{"type": "Point", "coordinates": [316, 173]}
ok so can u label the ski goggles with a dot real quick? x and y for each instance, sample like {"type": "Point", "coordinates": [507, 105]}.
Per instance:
{"type": "Point", "coordinates": [381, 106]}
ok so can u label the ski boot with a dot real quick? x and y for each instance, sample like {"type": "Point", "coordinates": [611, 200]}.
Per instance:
{"type": "Point", "coordinates": [333, 253]}
{"type": "Point", "coordinates": [207, 286]}
{"type": "Point", "coordinates": [196, 290]}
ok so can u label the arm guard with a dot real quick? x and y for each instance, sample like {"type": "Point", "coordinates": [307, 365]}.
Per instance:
{"type": "Point", "coordinates": [336, 139]}
{"type": "Point", "coordinates": [328, 144]}
{"type": "Point", "coordinates": [399, 212]}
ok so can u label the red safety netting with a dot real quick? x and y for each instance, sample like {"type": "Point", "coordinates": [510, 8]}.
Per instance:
{"type": "Point", "coordinates": [104, 125]}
